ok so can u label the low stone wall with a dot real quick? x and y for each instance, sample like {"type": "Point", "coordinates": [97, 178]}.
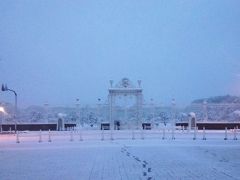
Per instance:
{"type": "Point", "coordinates": [35, 127]}
{"type": "Point", "coordinates": [213, 125]}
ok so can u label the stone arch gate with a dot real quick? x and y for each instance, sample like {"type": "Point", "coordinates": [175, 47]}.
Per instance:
{"type": "Point", "coordinates": [125, 88]}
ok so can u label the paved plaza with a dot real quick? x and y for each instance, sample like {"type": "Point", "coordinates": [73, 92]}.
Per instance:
{"type": "Point", "coordinates": [121, 158]}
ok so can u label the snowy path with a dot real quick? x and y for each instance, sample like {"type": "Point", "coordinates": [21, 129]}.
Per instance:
{"type": "Point", "coordinates": [120, 159]}
{"type": "Point", "coordinates": [191, 162]}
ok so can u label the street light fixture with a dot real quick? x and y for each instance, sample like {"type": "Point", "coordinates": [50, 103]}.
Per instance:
{"type": "Point", "coordinates": [2, 109]}
{"type": "Point", "coordinates": [5, 88]}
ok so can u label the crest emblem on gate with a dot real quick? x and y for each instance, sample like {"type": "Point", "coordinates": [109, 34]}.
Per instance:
{"type": "Point", "coordinates": [125, 82]}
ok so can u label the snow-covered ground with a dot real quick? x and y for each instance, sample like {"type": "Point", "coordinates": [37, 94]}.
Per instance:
{"type": "Point", "coordinates": [130, 155]}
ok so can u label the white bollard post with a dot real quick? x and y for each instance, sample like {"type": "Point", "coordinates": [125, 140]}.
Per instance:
{"type": "Point", "coordinates": [17, 138]}
{"type": "Point", "coordinates": [111, 134]}
{"type": "Point", "coordinates": [163, 137]}
{"type": "Point", "coordinates": [40, 136]}
{"type": "Point", "coordinates": [49, 136]}
{"type": "Point", "coordinates": [173, 132]}
{"type": "Point", "coordinates": [133, 134]}
{"type": "Point", "coordinates": [102, 134]}
{"type": "Point", "coordinates": [195, 133]}
{"type": "Point", "coordinates": [80, 135]}
{"type": "Point", "coordinates": [142, 133]}
{"type": "Point", "coordinates": [10, 129]}
{"type": "Point", "coordinates": [235, 134]}
{"type": "Point", "coordinates": [225, 138]}
{"type": "Point", "coordinates": [71, 136]}
{"type": "Point", "coordinates": [204, 134]}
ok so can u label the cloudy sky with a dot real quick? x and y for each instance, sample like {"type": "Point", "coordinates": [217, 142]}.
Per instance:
{"type": "Point", "coordinates": [57, 51]}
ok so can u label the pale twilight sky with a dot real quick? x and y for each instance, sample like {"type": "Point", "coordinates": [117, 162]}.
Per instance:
{"type": "Point", "coordinates": [57, 51]}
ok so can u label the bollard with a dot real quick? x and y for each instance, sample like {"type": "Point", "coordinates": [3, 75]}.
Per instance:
{"type": "Point", "coordinates": [225, 138]}
{"type": "Point", "coordinates": [111, 135]}
{"type": "Point", "coordinates": [17, 138]}
{"type": "Point", "coordinates": [173, 133]}
{"type": "Point", "coordinates": [204, 134]}
{"type": "Point", "coordinates": [10, 129]}
{"type": "Point", "coordinates": [142, 134]}
{"type": "Point", "coordinates": [80, 136]}
{"type": "Point", "coordinates": [102, 135]}
{"type": "Point", "coordinates": [195, 133]}
{"type": "Point", "coordinates": [163, 137]}
{"type": "Point", "coordinates": [133, 134]}
{"type": "Point", "coordinates": [71, 136]}
{"type": "Point", "coordinates": [40, 136]}
{"type": "Point", "coordinates": [235, 134]}
{"type": "Point", "coordinates": [49, 136]}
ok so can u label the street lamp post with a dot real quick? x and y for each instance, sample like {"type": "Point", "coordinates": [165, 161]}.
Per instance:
{"type": "Point", "coordinates": [2, 112]}
{"type": "Point", "coordinates": [5, 88]}
{"type": "Point", "coordinates": [205, 111]}
{"type": "Point", "coordinates": [78, 111]}
{"type": "Point", "coordinates": [47, 113]}
{"type": "Point", "coordinates": [98, 110]}
{"type": "Point", "coordinates": [173, 113]}
{"type": "Point", "coordinates": [153, 112]}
